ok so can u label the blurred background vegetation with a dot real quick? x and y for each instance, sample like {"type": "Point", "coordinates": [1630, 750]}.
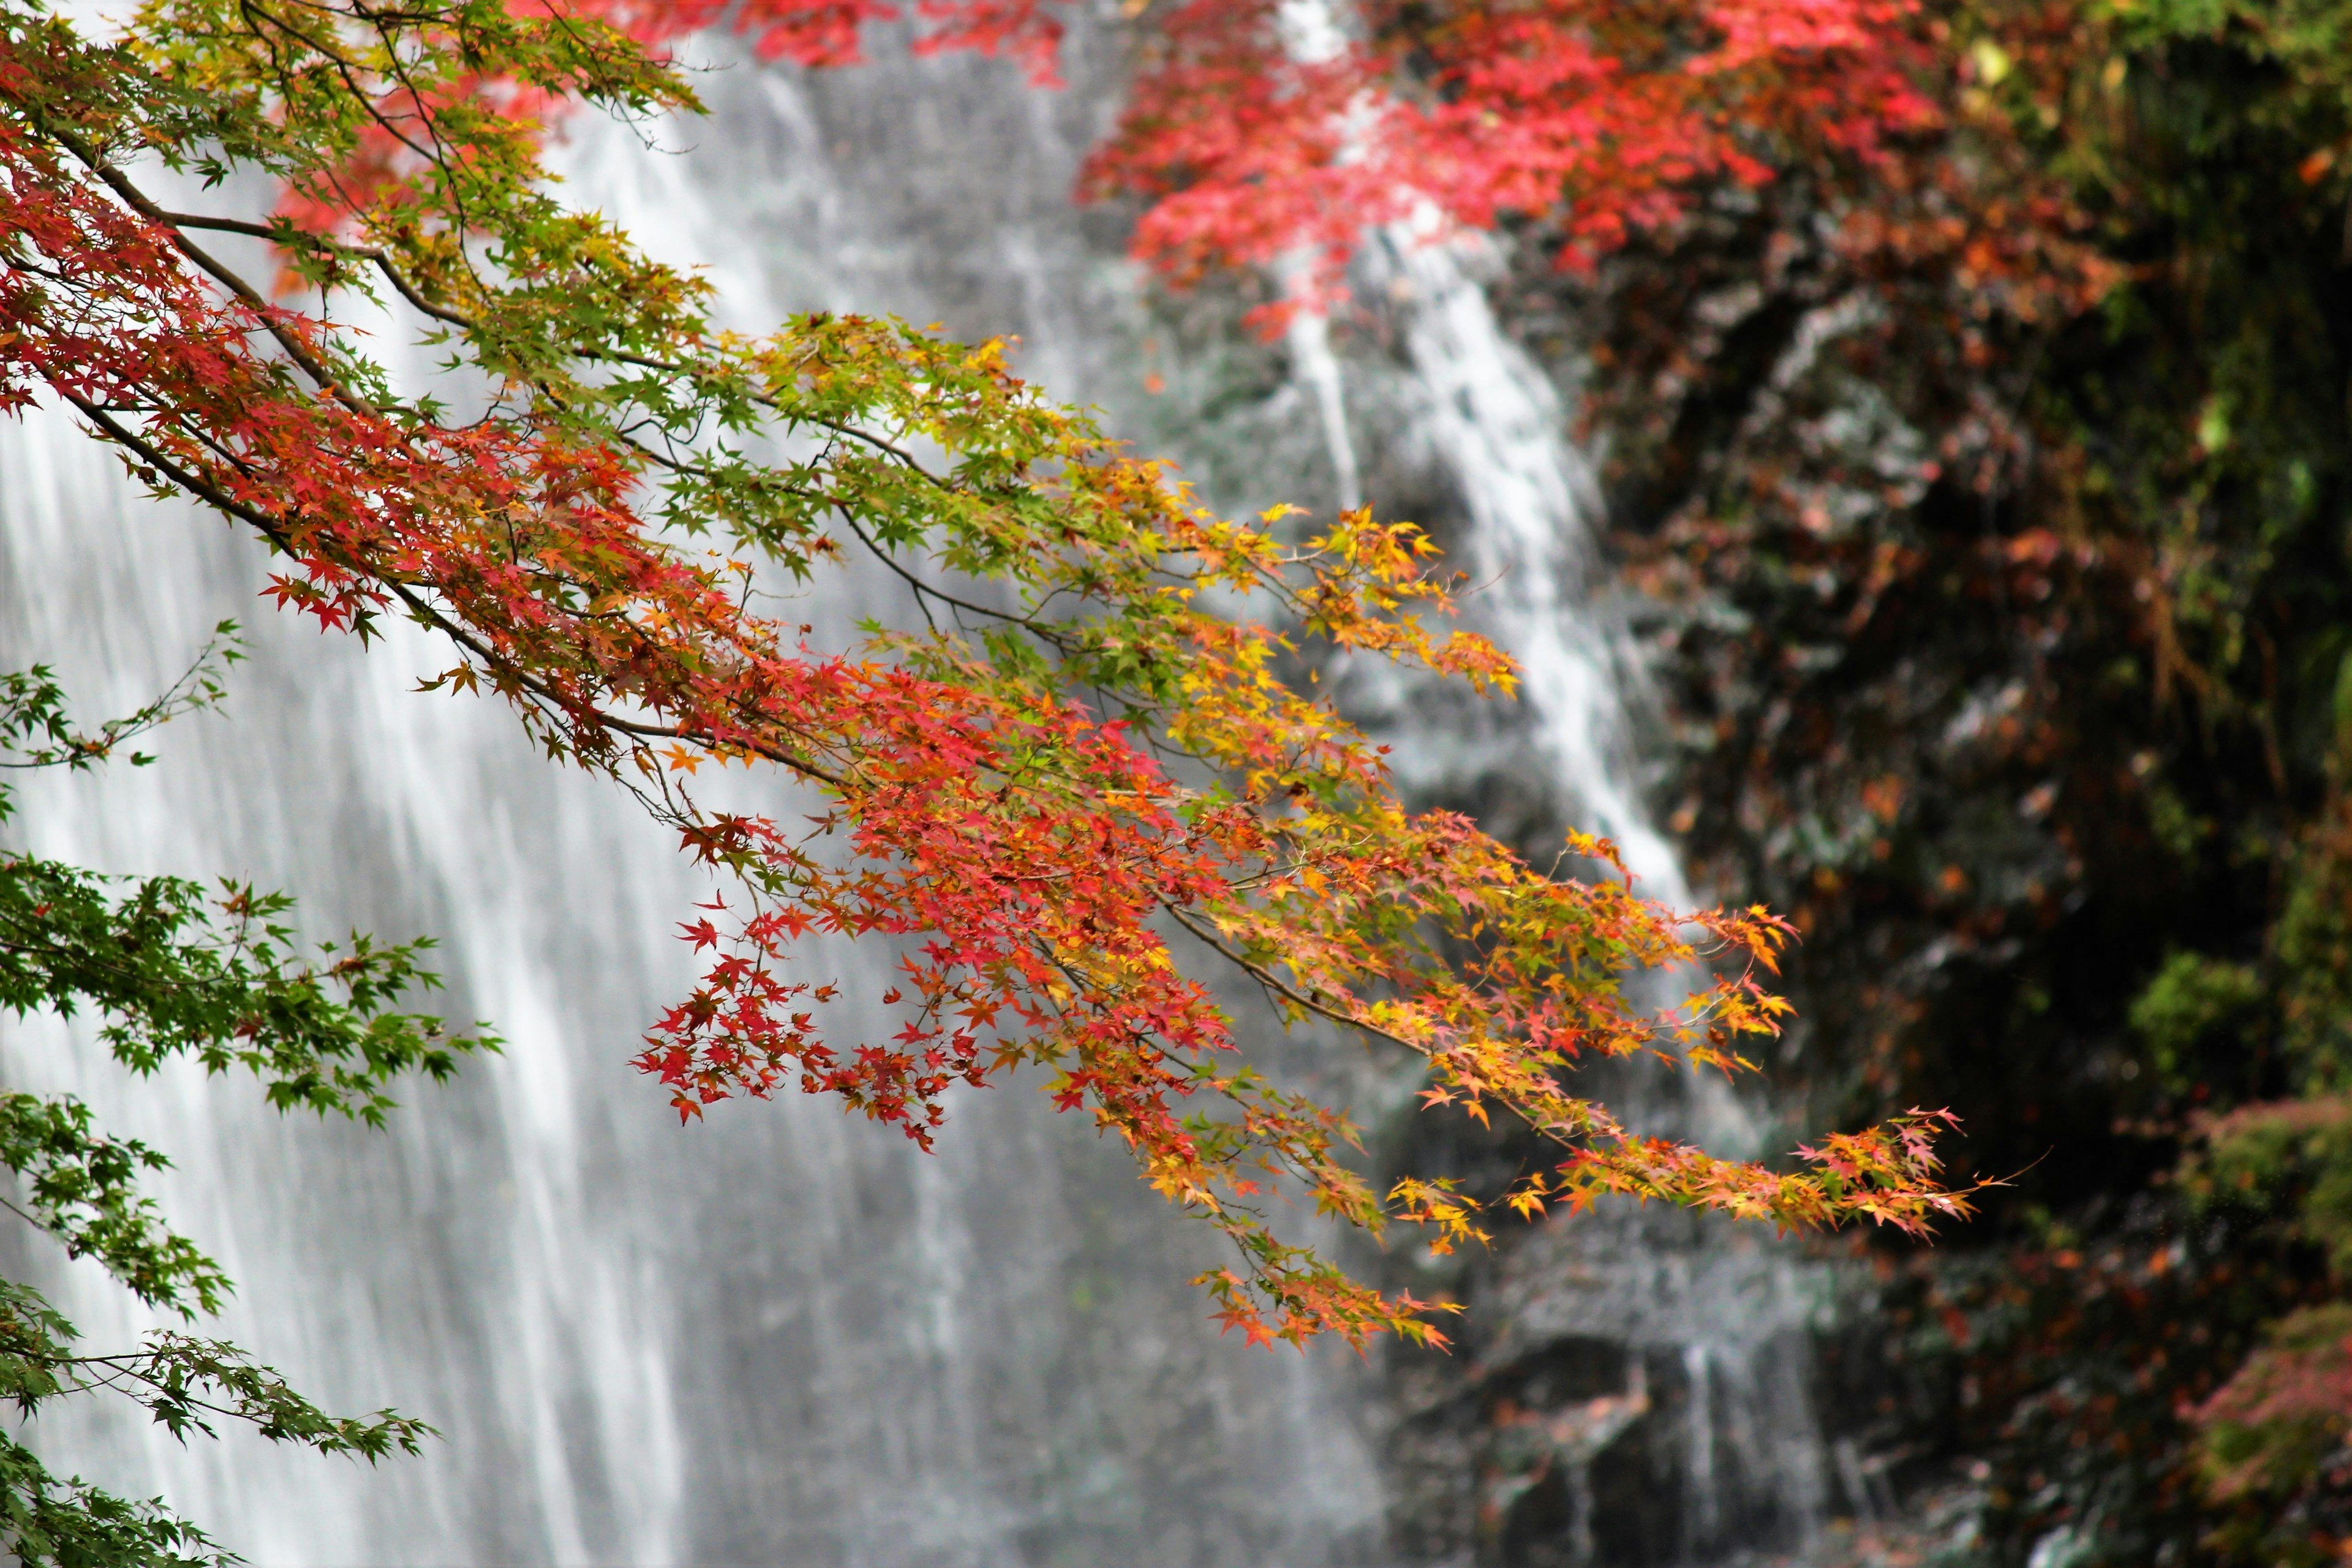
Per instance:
{"type": "Point", "coordinates": [2009, 642]}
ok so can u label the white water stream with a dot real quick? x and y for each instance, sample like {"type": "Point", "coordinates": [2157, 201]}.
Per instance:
{"type": "Point", "coordinates": [1724, 1318]}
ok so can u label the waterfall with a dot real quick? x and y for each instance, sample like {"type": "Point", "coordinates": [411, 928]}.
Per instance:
{"type": "Point", "coordinates": [1610, 1318]}
{"type": "Point", "coordinates": [1495, 421]}
{"type": "Point", "coordinates": [781, 1337]}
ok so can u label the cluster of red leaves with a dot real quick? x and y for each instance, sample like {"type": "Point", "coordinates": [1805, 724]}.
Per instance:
{"type": "Point", "coordinates": [1025, 851]}
{"type": "Point", "coordinates": [1604, 119]}
{"type": "Point", "coordinates": [825, 34]}
{"type": "Point", "coordinates": [1253, 129]}
{"type": "Point", "coordinates": [1248, 141]}
{"type": "Point", "coordinates": [2286, 1411]}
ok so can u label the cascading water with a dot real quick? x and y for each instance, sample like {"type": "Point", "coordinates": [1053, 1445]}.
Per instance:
{"type": "Point", "coordinates": [1640, 1392]}
{"type": "Point", "coordinates": [1579, 1315]}
{"type": "Point", "coordinates": [781, 1337]}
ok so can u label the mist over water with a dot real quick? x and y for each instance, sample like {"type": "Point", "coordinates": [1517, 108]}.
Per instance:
{"type": "Point", "coordinates": [781, 1336]}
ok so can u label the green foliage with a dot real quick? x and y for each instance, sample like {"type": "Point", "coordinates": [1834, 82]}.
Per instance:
{"type": "Point", "coordinates": [2290, 1160]}
{"type": "Point", "coordinates": [175, 972]}
{"type": "Point", "coordinates": [81, 1189]}
{"type": "Point", "coordinates": [35, 731]}
{"type": "Point", "coordinates": [2315, 955]}
{"type": "Point", "coordinates": [2193, 1004]}
{"type": "Point", "coordinates": [184, 1384]}
{"type": "Point", "coordinates": [178, 971]}
{"type": "Point", "coordinates": [72, 1524]}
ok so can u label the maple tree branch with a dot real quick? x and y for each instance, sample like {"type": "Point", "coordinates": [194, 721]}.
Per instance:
{"type": "Point", "coordinates": [687, 372]}
{"type": "Point", "coordinates": [32, 1220]}
{"type": "Point", "coordinates": [138, 202]}
{"type": "Point", "coordinates": [1274, 983]}
{"type": "Point", "coordinates": [344, 68]}
{"type": "Point", "coordinates": [1042, 632]}
{"type": "Point", "coordinates": [331, 385]}
{"type": "Point", "coordinates": [408, 290]}
{"type": "Point", "coordinates": [427, 613]}
{"type": "Point", "coordinates": [235, 225]}
{"type": "Point", "coordinates": [286, 232]}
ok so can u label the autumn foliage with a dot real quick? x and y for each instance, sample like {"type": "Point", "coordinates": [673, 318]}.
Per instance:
{"type": "Point", "coordinates": [1256, 129]}
{"type": "Point", "coordinates": [1078, 783]}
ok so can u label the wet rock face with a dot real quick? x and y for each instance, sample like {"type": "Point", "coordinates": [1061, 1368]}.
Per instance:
{"type": "Point", "coordinates": [1631, 1388]}
{"type": "Point", "coordinates": [1563, 1457]}
{"type": "Point", "coordinates": [1566, 1471]}
{"type": "Point", "coordinates": [1640, 1389]}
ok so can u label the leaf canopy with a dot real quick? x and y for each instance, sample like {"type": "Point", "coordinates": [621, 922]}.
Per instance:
{"type": "Point", "coordinates": [1074, 775]}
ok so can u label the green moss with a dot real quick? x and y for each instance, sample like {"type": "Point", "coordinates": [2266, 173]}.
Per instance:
{"type": "Point", "coordinates": [2194, 1008]}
